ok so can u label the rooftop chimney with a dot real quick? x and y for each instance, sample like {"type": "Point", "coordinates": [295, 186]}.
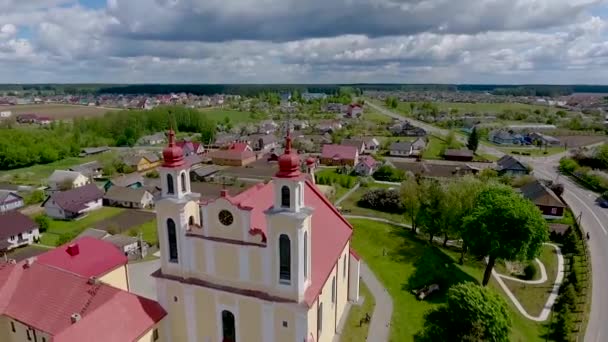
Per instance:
{"type": "Point", "coordinates": [224, 193]}
{"type": "Point", "coordinates": [28, 262]}
{"type": "Point", "coordinates": [93, 281]}
{"type": "Point", "coordinates": [75, 317]}
{"type": "Point", "coordinates": [73, 249]}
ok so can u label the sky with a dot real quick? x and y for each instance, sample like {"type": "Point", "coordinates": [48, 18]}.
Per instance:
{"type": "Point", "coordinates": [304, 41]}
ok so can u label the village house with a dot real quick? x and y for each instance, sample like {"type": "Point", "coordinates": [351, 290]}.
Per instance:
{"type": "Point", "coordinates": [10, 200]}
{"type": "Point", "coordinates": [328, 126]}
{"type": "Point", "coordinates": [125, 197]}
{"type": "Point", "coordinates": [132, 180]}
{"type": "Point", "coordinates": [339, 155]}
{"type": "Point", "coordinates": [401, 149]}
{"type": "Point", "coordinates": [191, 148]}
{"type": "Point", "coordinates": [354, 110]}
{"type": "Point", "coordinates": [404, 128]}
{"type": "Point", "coordinates": [91, 151]}
{"type": "Point", "coordinates": [502, 138]}
{"type": "Point", "coordinates": [223, 139]}
{"type": "Point", "coordinates": [546, 200]}
{"type": "Point", "coordinates": [17, 230]}
{"type": "Point", "coordinates": [508, 165]}
{"type": "Point", "coordinates": [366, 166]}
{"type": "Point", "coordinates": [433, 170]}
{"type": "Point", "coordinates": [285, 226]}
{"type": "Point", "coordinates": [358, 143]}
{"type": "Point", "coordinates": [458, 155]}
{"type": "Point", "coordinates": [233, 157]}
{"type": "Point", "coordinates": [142, 162]}
{"type": "Point", "coordinates": [74, 203]}
{"type": "Point", "coordinates": [90, 170]}
{"type": "Point", "coordinates": [61, 180]}
{"type": "Point", "coordinates": [261, 142]}
{"type": "Point", "coordinates": [153, 139]}
{"type": "Point", "coordinates": [128, 245]}
{"type": "Point", "coordinates": [372, 145]}
{"type": "Point", "coordinates": [543, 139]}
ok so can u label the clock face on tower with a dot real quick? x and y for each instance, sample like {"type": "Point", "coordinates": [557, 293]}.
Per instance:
{"type": "Point", "coordinates": [225, 217]}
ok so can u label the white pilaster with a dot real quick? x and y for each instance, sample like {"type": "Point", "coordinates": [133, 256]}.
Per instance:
{"type": "Point", "coordinates": [268, 322]}
{"type": "Point", "coordinates": [190, 313]}
{"type": "Point", "coordinates": [244, 263]}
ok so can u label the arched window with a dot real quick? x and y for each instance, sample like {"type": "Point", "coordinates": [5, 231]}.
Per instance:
{"type": "Point", "coordinates": [285, 197]}
{"type": "Point", "coordinates": [284, 259]}
{"type": "Point", "coordinates": [172, 236]}
{"type": "Point", "coordinates": [305, 254]}
{"type": "Point", "coordinates": [320, 318]}
{"type": "Point", "coordinates": [333, 290]}
{"type": "Point", "coordinates": [170, 184]}
{"type": "Point", "coordinates": [228, 327]}
{"type": "Point", "coordinates": [344, 267]}
{"type": "Point", "coordinates": [183, 181]}
{"type": "Point", "coordinates": [191, 221]}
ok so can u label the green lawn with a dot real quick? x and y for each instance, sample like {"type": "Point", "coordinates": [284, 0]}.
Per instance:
{"type": "Point", "coordinates": [352, 332]}
{"type": "Point", "coordinates": [435, 148]}
{"type": "Point", "coordinates": [58, 228]}
{"type": "Point", "coordinates": [352, 208]}
{"type": "Point", "coordinates": [370, 114]}
{"type": "Point", "coordinates": [493, 108]}
{"type": "Point", "coordinates": [219, 115]}
{"type": "Point", "coordinates": [410, 263]}
{"type": "Point", "coordinates": [149, 233]}
{"type": "Point", "coordinates": [534, 151]}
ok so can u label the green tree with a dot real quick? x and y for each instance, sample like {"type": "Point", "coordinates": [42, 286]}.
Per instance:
{"type": "Point", "coordinates": [504, 225]}
{"type": "Point", "coordinates": [43, 222]}
{"type": "Point", "coordinates": [34, 197]}
{"type": "Point", "coordinates": [433, 207]}
{"type": "Point", "coordinates": [471, 313]}
{"type": "Point", "coordinates": [410, 197]}
{"type": "Point", "coordinates": [460, 196]}
{"type": "Point", "coordinates": [473, 142]}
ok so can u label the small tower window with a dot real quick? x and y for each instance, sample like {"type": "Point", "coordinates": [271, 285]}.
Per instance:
{"type": "Point", "coordinates": [305, 254]}
{"type": "Point", "coordinates": [285, 201]}
{"type": "Point", "coordinates": [344, 268]}
{"type": "Point", "coordinates": [284, 259]}
{"type": "Point", "coordinates": [172, 236]}
{"type": "Point", "coordinates": [320, 318]}
{"type": "Point", "coordinates": [333, 290]}
{"type": "Point", "coordinates": [228, 327]}
{"type": "Point", "coordinates": [191, 221]}
{"type": "Point", "coordinates": [183, 182]}
{"type": "Point", "coordinates": [170, 189]}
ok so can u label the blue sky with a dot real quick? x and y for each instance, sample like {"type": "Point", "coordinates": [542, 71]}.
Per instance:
{"type": "Point", "coordinates": [313, 41]}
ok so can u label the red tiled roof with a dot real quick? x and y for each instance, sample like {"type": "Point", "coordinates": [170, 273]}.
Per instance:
{"type": "Point", "coordinates": [368, 160]}
{"type": "Point", "coordinates": [339, 152]}
{"type": "Point", "coordinates": [94, 258]}
{"type": "Point", "coordinates": [13, 223]}
{"type": "Point", "coordinates": [232, 154]}
{"type": "Point", "coordinates": [45, 298]}
{"type": "Point", "coordinates": [240, 147]}
{"type": "Point", "coordinates": [329, 234]}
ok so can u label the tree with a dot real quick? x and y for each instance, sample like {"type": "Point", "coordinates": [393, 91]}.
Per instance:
{"type": "Point", "coordinates": [34, 197]}
{"type": "Point", "coordinates": [410, 197]}
{"type": "Point", "coordinates": [460, 196]}
{"type": "Point", "coordinates": [43, 222]}
{"type": "Point", "coordinates": [471, 313]}
{"type": "Point", "coordinates": [504, 225]}
{"type": "Point", "coordinates": [473, 142]}
{"type": "Point", "coordinates": [432, 208]}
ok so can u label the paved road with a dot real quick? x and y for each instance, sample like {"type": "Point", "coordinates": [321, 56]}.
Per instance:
{"type": "Point", "coordinates": [380, 324]}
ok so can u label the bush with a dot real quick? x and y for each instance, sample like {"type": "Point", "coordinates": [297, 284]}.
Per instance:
{"type": "Point", "coordinates": [530, 271]}
{"type": "Point", "coordinates": [382, 200]}
{"type": "Point", "coordinates": [34, 197]}
{"type": "Point", "coordinates": [43, 222]}
{"type": "Point", "coordinates": [568, 165]}
{"type": "Point", "coordinates": [153, 174]}
{"type": "Point", "coordinates": [389, 174]}
{"type": "Point", "coordinates": [563, 325]}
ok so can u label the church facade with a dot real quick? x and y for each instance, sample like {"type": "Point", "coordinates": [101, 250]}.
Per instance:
{"type": "Point", "coordinates": [270, 264]}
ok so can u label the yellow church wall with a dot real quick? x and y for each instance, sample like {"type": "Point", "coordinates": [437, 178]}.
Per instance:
{"type": "Point", "coordinates": [176, 312]}
{"type": "Point", "coordinates": [117, 278]}
{"type": "Point", "coordinates": [281, 333]}
{"type": "Point", "coordinates": [200, 255]}
{"type": "Point", "coordinates": [206, 329]}
{"type": "Point", "coordinates": [250, 320]}
{"type": "Point", "coordinates": [227, 262]}
{"type": "Point", "coordinates": [328, 327]}
{"type": "Point", "coordinates": [312, 320]}
{"type": "Point", "coordinates": [21, 332]}
{"type": "Point", "coordinates": [256, 272]}
{"type": "Point", "coordinates": [342, 282]}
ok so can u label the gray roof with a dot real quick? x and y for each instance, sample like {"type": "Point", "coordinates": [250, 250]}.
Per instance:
{"type": "Point", "coordinates": [541, 195]}
{"type": "Point", "coordinates": [87, 168]}
{"type": "Point", "coordinates": [401, 146]}
{"type": "Point", "coordinates": [507, 162]}
{"type": "Point", "coordinates": [153, 137]}
{"type": "Point", "coordinates": [504, 135]}
{"type": "Point", "coordinates": [95, 150]}
{"type": "Point", "coordinates": [121, 241]}
{"type": "Point", "coordinates": [353, 142]}
{"type": "Point", "coordinates": [5, 193]}
{"type": "Point", "coordinates": [60, 176]}
{"type": "Point", "coordinates": [207, 170]}
{"type": "Point", "coordinates": [123, 194]}
{"type": "Point", "coordinates": [133, 159]}
{"type": "Point", "coordinates": [458, 153]}
{"type": "Point", "coordinates": [127, 180]}
{"type": "Point", "coordinates": [94, 233]}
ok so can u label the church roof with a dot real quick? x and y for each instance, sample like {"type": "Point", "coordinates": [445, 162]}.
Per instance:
{"type": "Point", "coordinates": [330, 231]}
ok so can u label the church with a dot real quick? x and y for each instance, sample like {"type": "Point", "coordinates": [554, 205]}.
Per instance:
{"type": "Point", "coordinates": [271, 264]}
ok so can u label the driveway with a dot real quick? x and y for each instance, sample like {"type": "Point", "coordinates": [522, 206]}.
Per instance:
{"type": "Point", "coordinates": [140, 281]}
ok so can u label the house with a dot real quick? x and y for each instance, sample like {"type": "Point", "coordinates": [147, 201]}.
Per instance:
{"type": "Point", "coordinates": [17, 230]}
{"type": "Point", "coordinates": [401, 149]}
{"type": "Point", "coordinates": [5, 114]}
{"type": "Point", "coordinates": [141, 162]}
{"type": "Point", "coordinates": [73, 203]}
{"type": "Point", "coordinates": [10, 200]}
{"type": "Point", "coordinates": [27, 118]}
{"type": "Point", "coordinates": [407, 129]}
{"type": "Point", "coordinates": [507, 165]}
{"type": "Point", "coordinates": [367, 166]}
{"type": "Point", "coordinates": [262, 142]}
{"type": "Point", "coordinates": [153, 139]}
{"type": "Point", "coordinates": [372, 145]}
{"type": "Point", "coordinates": [190, 148]}
{"type": "Point", "coordinates": [546, 200]}
{"type": "Point", "coordinates": [204, 173]}
{"type": "Point", "coordinates": [434, 170]}
{"type": "Point", "coordinates": [502, 138]}
{"type": "Point", "coordinates": [354, 110]}
{"type": "Point", "coordinates": [92, 169]}
{"type": "Point", "coordinates": [458, 155]}
{"type": "Point", "coordinates": [419, 144]}
{"type": "Point", "coordinates": [338, 155]}
{"type": "Point", "coordinates": [125, 197]}
{"type": "Point", "coordinates": [233, 157]}
{"type": "Point", "coordinates": [132, 180]}
{"type": "Point", "coordinates": [85, 282]}
{"type": "Point", "coordinates": [128, 245]}
{"type": "Point", "coordinates": [90, 151]}
{"type": "Point", "coordinates": [358, 143]}
{"type": "Point", "coordinates": [223, 139]}
{"type": "Point", "coordinates": [61, 180]}
{"type": "Point", "coordinates": [286, 227]}
{"type": "Point", "coordinates": [328, 126]}
{"type": "Point", "coordinates": [543, 139]}
{"type": "Point", "coordinates": [240, 146]}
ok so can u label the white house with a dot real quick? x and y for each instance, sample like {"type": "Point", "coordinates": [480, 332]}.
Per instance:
{"type": "Point", "coordinates": [401, 149]}
{"type": "Point", "coordinates": [17, 230]}
{"type": "Point", "coordinates": [128, 197]}
{"type": "Point", "coordinates": [62, 180]}
{"type": "Point", "coordinates": [367, 166]}
{"type": "Point", "coordinates": [10, 200]}
{"type": "Point", "coordinates": [73, 203]}
{"type": "Point", "coordinates": [6, 114]}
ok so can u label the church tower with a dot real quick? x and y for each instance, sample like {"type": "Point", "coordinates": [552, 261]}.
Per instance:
{"type": "Point", "coordinates": [289, 227]}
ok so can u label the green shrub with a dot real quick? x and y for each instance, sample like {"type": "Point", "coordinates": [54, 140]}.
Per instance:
{"type": "Point", "coordinates": [568, 165]}
{"type": "Point", "coordinates": [382, 199]}
{"type": "Point", "coordinates": [43, 222]}
{"type": "Point", "coordinates": [34, 197]}
{"type": "Point", "coordinates": [530, 271]}
{"type": "Point", "coordinates": [389, 174]}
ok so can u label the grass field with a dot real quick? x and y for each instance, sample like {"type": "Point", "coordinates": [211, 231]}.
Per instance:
{"type": "Point", "coordinates": [370, 114]}
{"type": "Point", "coordinates": [148, 230]}
{"type": "Point", "coordinates": [492, 108]}
{"type": "Point", "coordinates": [410, 263]}
{"type": "Point", "coordinates": [58, 228]}
{"type": "Point", "coordinates": [435, 148]}
{"type": "Point", "coordinates": [58, 111]}
{"type": "Point", "coordinates": [534, 151]}
{"type": "Point", "coordinates": [219, 115]}
{"type": "Point", "coordinates": [352, 332]}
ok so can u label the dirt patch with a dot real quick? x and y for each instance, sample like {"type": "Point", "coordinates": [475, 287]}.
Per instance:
{"type": "Point", "coordinates": [125, 221]}
{"type": "Point", "coordinates": [581, 140]}
{"type": "Point", "coordinates": [57, 111]}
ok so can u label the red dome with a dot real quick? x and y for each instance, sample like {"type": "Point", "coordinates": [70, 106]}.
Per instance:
{"type": "Point", "coordinates": [289, 162]}
{"type": "Point", "coordinates": [173, 155]}
{"type": "Point", "coordinates": [310, 161]}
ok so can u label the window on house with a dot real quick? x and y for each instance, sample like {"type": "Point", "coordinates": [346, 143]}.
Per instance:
{"type": "Point", "coordinates": [183, 181]}
{"type": "Point", "coordinates": [155, 335]}
{"type": "Point", "coordinates": [344, 268]}
{"type": "Point", "coordinates": [285, 201]}
{"type": "Point", "coordinates": [320, 318]}
{"type": "Point", "coordinates": [170, 184]}
{"type": "Point", "coordinates": [172, 236]}
{"type": "Point", "coordinates": [228, 327]}
{"type": "Point", "coordinates": [305, 254]}
{"type": "Point", "coordinates": [333, 290]}
{"type": "Point", "coordinates": [191, 221]}
{"type": "Point", "coordinates": [554, 211]}
{"type": "Point", "coordinates": [284, 259]}
{"type": "Point", "coordinates": [13, 326]}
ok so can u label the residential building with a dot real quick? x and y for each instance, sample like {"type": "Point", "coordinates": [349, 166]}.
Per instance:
{"type": "Point", "coordinates": [262, 142]}
{"type": "Point", "coordinates": [90, 151]}
{"type": "Point", "coordinates": [153, 139]}
{"type": "Point", "coordinates": [128, 245]}
{"type": "Point", "coordinates": [508, 165]}
{"type": "Point", "coordinates": [354, 110]}
{"type": "Point", "coordinates": [419, 144]}
{"type": "Point", "coordinates": [358, 143]}
{"type": "Point", "coordinates": [372, 145]}
{"type": "Point", "coordinates": [233, 157]}
{"type": "Point", "coordinates": [543, 139]}
{"type": "Point", "coordinates": [502, 138]}
{"type": "Point", "coordinates": [17, 230]}
{"type": "Point", "coordinates": [272, 263]}
{"type": "Point", "coordinates": [10, 200]}
{"type": "Point", "coordinates": [132, 180]}
{"type": "Point", "coordinates": [74, 203]}
{"type": "Point", "coordinates": [191, 148]}
{"type": "Point", "coordinates": [367, 166]}
{"type": "Point", "coordinates": [545, 199]}
{"type": "Point", "coordinates": [142, 162]}
{"type": "Point", "coordinates": [401, 149]}
{"type": "Point", "coordinates": [126, 197]}
{"type": "Point", "coordinates": [338, 155]}
{"type": "Point", "coordinates": [458, 155]}
{"type": "Point", "coordinates": [61, 180]}
{"type": "Point", "coordinates": [434, 170]}
{"type": "Point", "coordinates": [90, 170]}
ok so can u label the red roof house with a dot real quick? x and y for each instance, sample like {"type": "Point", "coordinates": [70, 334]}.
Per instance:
{"type": "Point", "coordinates": [240, 147]}
{"type": "Point", "coordinates": [339, 155]}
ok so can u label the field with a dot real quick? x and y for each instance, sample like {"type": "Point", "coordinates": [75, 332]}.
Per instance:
{"type": "Point", "coordinates": [125, 220]}
{"type": "Point", "coordinates": [219, 115]}
{"type": "Point", "coordinates": [493, 108]}
{"type": "Point", "coordinates": [58, 228]}
{"type": "Point", "coordinates": [350, 204]}
{"type": "Point", "coordinates": [148, 231]}
{"type": "Point", "coordinates": [57, 111]}
{"type": "Point", "coordinates": [402, 262]}
{"type": "Point", "coordinates": [573, 141]}
{"type": "Point", "coordinates": [353, 332]}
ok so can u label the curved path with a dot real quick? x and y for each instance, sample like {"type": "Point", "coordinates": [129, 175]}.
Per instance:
{"type": "Point", "coordinates": [544, 314]}
{"type": "Point", "coordinates": [543, 276]}
{"type": "Point", "coordinates": [380, 324]}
